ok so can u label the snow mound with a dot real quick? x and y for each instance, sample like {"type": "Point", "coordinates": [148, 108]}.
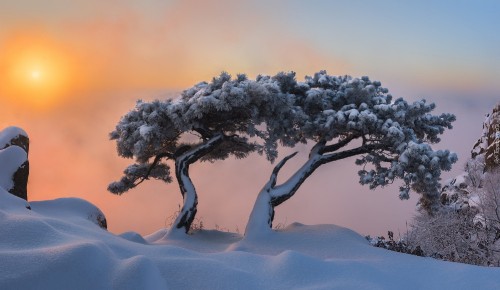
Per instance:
{"type": "Point", "coordinates": [70, 208]}
{"type": "Point", "coordinates": [55, 246]}
{"type": "Point", "coordinates": [11, 202]}
{"type": "Point", "coordinates": [320, 241]}
{"type": "Point", "coordinates": [133, 237]}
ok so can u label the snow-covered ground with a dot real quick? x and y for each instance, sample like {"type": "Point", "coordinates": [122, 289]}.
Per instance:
{"type": "Point", "coordinates": [56, 245]}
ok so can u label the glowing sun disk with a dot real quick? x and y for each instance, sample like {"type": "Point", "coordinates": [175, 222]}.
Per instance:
{"type": "Point", "coordinates": [37, 74]}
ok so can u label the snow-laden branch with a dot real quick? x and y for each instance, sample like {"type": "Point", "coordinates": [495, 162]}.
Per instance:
{"type": "Point", "coordinates": [339, 145]}
{"type": "Point", "coordinates": [350, 153]}
{"type": "Point", "coordinates": [277, 168]}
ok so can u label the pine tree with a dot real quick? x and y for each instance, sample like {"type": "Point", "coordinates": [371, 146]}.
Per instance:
{"type": "Point", "coordinates": [346, 117]}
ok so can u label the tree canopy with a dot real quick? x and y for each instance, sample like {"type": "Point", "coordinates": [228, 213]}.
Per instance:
{"type": "Point", "coordinates": [208, 122]}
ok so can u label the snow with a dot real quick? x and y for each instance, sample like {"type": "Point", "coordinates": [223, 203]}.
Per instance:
{"type": "Point", "coordinates": [353, 114]}
{"type": "Point", "coordinates": [459, 180]}
{"type": "Point", "coordinates": [259, 217]}
{"type": "Point", "coordinates": [9, 133]}
{"type": "Point", "coordinates": [11, 158]}
{"type": "Point", "coordinates": [55, 246]}
{"type": "Point", "coordinates": [68, 208]}
{"type": "Point", "coordinates": [8, 200]}
{"type": "Point", "coordinates": [403, 158]}
{"type": "Point", "coordinates": [145, 130]}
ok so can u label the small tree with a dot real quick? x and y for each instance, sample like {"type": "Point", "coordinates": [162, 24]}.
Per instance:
{"type": "Point", "coordinates": [450, 235]}
{"type": "Point", "coordinates": [489, 214]}
{"type": "Point", "coordinates": [466, 228]}
{"type": "Point", "coordinates": [347, 117]}
{"type": "Point", "coordinates": [208, 122]}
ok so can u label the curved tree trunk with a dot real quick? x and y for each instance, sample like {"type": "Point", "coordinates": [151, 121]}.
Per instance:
{"type": "Point", "coordinates": [262, 215]}
{"type": "Point", "coordinates": [190, 198]}
{"type": "Point", "coordinates": [272, 195]}
{"type": "Point", "coordinates": [188, 191]}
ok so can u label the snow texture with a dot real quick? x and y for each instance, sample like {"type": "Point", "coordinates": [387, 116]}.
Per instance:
{"type": "Point", "coordinates": [11, 158]}
{"type": "Point", "coordinates": [54, 246]}
{"type": "Point", "coordinates": [69, 208]}
{"type": "Point", "coordinates": [9, 133]}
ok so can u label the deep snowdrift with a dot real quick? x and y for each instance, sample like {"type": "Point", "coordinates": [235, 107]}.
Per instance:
{"type": "Point", "coordinates": [57, 246]}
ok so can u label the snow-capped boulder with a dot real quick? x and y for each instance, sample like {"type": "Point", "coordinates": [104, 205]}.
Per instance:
{"type": "Point", "coordinates": [14, 164]}
{"type": "Point", "coordinates": [14, 171]}
{"type": "Point", "coordinates": [14, 136]}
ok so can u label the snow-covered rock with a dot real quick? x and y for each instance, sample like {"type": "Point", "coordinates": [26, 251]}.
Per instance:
{"type": "Point", "coordinates": [11, 159]}
{"type": "Point", "coordinates": [14, 164]}
{"type": "Point", "coordinates": [14, 171]}
{"type": "Point", "coordinates": [488, 144]}
{"type": "Point", "coordinates": [14, 136]}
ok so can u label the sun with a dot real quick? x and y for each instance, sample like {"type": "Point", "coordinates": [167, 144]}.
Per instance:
{"type": "Point", "coordinates": [37, 73]}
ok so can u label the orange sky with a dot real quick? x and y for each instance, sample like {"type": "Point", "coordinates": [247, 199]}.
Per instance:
{"type": "Point", "coordinates": [70, 69]}
{"type": "Point", "coordinates": [174, 44]}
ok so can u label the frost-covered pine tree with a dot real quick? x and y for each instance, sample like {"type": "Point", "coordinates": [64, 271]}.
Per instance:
{"type": "Point", "coordinates": [346, 117]}
{"type": "Point", "coordinates": [208, 122]}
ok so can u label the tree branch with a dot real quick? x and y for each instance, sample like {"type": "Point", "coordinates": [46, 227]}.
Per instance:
{"type": "Point", "coordinates": [192, 154]}
{"type": "Point", "coordinates": [153, 165]}
{"type": "Point", "coordinates": [317, 148]}
{"type": "Point", "coordinates": [277, 168]}
{"type": "Point", "coordinates": [205, 134]}
{"type": "Point", "coordinates": [351, 152]}
{"type": "Point", "coordinates": [384, 158]}
{"type": "Point", "coordinates": [338, 145]}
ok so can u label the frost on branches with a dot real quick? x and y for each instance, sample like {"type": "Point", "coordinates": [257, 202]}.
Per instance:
{"type": "Point", "coordinates": [343, 116]}
{"type": "Point", "coordinates": [208, 122]}
{"type": "Point", "coordinates": [347, 117]}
